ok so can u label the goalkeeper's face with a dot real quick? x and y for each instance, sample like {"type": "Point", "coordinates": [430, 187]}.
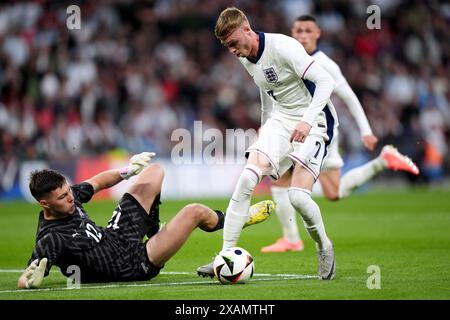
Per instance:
{"type": "Point", "coordinates": [60, 202]}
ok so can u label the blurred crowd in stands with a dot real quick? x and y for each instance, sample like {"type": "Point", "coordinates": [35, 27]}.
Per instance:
{"type": "Point", "coordinates": [137, 70]}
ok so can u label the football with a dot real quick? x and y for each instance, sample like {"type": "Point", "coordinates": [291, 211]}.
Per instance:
{"type": "Point", "coordinates": [234, 265]}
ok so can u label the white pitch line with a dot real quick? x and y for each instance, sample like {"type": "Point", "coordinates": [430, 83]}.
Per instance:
{"type": "Point", "coordinates": [291, 277]}
{"type": "Point", "coordinates": [176, 273]}
{"type": "Point", "coordinates": [255, 275]}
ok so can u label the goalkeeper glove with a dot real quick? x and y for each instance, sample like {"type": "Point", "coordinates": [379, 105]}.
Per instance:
{"type": "Point", "coordinates": [137, 163]}
{"type": "Point", "coordinates": [35, 273]}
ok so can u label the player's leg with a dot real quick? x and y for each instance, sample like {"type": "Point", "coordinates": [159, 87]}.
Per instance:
{"type": "Point", "coordinates": [237, 211]}
{"type": "Point", "coordinates": [300, 196]}
{"type": "Point", "coordinates": [137, 212]}
{"type": "Point", "coordinates": [147, 186]}
{"type": "Point", "coordinates": [163, 245]}
{"type": "Point", "coordinates": [330, 181]}
{"type": "Point", "coordinates": [287, 217]}
{"type": "Point", "coordinates": [330, 174]}
{"type": "Point", "coordinates": [356, 177]}
{"type": "Point", "coordinates": [257, 213]}
{"type": "Point", "coordinates": [306, 171]}
{"type": "Point", "coordinates": [389, 158]}
{"type": "Point", "coordinates": [267, 156]}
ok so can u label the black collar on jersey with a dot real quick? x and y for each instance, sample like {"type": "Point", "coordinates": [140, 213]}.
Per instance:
{"type": "Point", "coordinates": [314, 52]}
{"type": "Point", "coordinates": [53, 221]}
{"type": "Point", "coordinates": [262, 41]}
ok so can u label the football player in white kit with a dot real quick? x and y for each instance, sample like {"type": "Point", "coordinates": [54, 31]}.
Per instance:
{"type": "Point", "coordinates": [307, 32]}
{"type": "Point", "coordinates": [297, 130]}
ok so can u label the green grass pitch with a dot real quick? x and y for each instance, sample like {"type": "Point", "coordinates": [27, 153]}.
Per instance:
{"type": "Point", "coordinates": [405, 233]}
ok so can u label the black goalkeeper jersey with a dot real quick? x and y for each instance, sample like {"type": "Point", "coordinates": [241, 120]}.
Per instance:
{"type": "Point", "coordinates": [77, 240]}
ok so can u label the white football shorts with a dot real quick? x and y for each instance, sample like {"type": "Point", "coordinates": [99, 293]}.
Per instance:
{"type": "Point", "coordinates": [274, 144]}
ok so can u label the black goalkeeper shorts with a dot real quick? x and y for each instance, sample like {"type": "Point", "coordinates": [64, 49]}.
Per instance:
{"type": "Point", "coordinates": [127, 228]}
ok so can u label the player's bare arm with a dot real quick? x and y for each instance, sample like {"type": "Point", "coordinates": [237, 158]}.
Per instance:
{"type": "Point", "coordinates": [105, 180]}
{"type": "Point", "coordinates": [110, 178]}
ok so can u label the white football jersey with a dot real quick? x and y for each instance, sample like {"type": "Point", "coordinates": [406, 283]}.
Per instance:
{"type": "Point", "coordinates": [330, 66]}
{"type": "Point", "coordinates": [281, 71]}
{"type": "Point", "coordinates": [343, 90]}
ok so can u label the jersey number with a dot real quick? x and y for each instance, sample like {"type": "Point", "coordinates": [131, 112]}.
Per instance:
{"type": "Point", "coordinates": [270, 93]}
{"type": "Point", "coordinates": [318, 149]}
{"type": "Point", "coordinates": [97, 236]}
{"type": "Point", "coordinates": [113, 222]}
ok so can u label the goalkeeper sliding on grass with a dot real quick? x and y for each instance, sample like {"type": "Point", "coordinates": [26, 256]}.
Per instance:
{"type": "Point", "coordinates": [66, 236]}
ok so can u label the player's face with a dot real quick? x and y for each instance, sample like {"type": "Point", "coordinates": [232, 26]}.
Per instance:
{"type": "Point", "coordinates": [60, 202]}
{"type": "Point", "coordinates": [239, 42]}
{"type": "Point", "coordinates": [307, 33]}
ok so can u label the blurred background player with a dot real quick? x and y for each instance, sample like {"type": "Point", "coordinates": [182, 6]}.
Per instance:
{"type": "Point", "coordinates": [66, 236]}
{"type": "Point", "coordinates": [307, 32]}
{"type": "Point", "coordinates": [296, 131]}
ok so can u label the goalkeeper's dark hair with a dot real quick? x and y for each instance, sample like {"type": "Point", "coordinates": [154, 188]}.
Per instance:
{"type": "Point", "coordinates": [306, 17]}
{"type": "Point", "coordinates": [42, 182]}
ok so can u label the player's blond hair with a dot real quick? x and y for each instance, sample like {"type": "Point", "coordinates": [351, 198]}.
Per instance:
{"type": "Point", "coordinates": [229, 20]}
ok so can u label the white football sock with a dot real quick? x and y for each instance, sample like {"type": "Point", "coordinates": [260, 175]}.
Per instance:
{"type": "Point", "coordinates": [239, 205]}
{"type": "Point", "coordinates": [360, 175]}
{"type": "Point", "coordinates": [310, 212]}
{"type": "Point", "coordinates": [286, 213]}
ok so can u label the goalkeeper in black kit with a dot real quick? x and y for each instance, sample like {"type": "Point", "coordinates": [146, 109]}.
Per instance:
{"type": "Point", "coordinates": [66, 236]}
